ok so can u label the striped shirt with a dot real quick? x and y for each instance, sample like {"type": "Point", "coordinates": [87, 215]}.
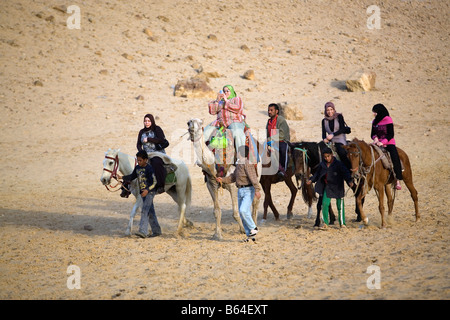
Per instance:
{"type": "Point", "coordinates": [232, 111]}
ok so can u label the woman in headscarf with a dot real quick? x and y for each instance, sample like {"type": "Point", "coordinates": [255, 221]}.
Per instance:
{"type": "Point", "coordinates": [333, 126]}
{"type": "Point", "coordinates": [229, 109]}
{"type": "Point", "coordinates": [382, 134]}
{"type": "Point", "coordinates": [148, 139]}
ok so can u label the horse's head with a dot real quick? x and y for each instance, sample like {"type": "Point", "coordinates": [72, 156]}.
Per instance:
{"type": "Point", "coordinates": [299, 157]}
{"type": "Point", "coordinates": [194, 128]}
{"type": "Point", "coordinates": [110, 165]}
{"type": "Point", "coordinates": [354, 155]}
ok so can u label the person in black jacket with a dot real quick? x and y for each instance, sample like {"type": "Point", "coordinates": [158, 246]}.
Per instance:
{"type": "Point", "coordinates": [330, 184]}
{"type": "Point", "coordinates": [148, 140]}
{"type": "Point", "coordinates": [146, 181]}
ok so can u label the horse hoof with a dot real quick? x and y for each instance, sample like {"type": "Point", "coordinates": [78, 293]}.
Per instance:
{"type": "Point", "coordinates": [366, 221]}
{"type": "Point", "coordinates": [262, 221]}
{"type": "Point", "coordinates": [289, 216]}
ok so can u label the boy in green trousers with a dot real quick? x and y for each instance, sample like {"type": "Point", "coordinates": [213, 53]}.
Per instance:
{"type": "Point", "coordinates": [330, 184]}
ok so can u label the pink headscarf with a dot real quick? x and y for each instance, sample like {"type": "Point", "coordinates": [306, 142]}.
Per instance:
{"type": "Point", "coordinates": [327, 105]}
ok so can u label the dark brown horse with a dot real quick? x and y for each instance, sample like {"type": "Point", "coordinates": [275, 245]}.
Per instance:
{"type": "Point", "coordinates": [366, 164]}
{"type": "Point", "coordinates": [267, 179]}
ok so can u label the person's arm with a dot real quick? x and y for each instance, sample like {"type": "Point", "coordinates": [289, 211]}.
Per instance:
{"type": "Point", "coordinates": [252, 176]}
{"type": "Point", "coordinates": [324, 132]}
{"type": "Point", "coordinates": [389, 133]}
{"type": "Point", "coordinates": [214, 107]}
{"type": "Point", "coordinates": [234, 105]}
{"type": "Point", "coordinates": [346, 174]}
{"type": "Point", "coordinates": [284, 134]}
{"type": "Point", "coordinates": [131, 176]}
{"type": "Point", "coordinates": [159, 136]}
{"type": "Point", "coordinates": [139, 142]}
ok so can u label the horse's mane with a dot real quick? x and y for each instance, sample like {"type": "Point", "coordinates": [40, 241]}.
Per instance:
{"type": "Point", "coordinates": [312, 150]}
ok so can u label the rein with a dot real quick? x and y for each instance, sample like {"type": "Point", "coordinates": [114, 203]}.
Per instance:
{"type": "Point", "coordinates": [114, 175]}
{"type": "Point", "coordinates": [364, 170]}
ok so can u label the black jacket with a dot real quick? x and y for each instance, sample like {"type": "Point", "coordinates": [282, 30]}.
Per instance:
{"type": "Point", "coordinates": [331, 179]}
{"type": "Point", "coordinates": [145, 175]}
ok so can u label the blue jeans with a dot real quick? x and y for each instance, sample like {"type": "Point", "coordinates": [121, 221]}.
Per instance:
{"type": "Point", "coordinates": [245, 199]}
{"type": "Point", "coordinates": [148, 214]}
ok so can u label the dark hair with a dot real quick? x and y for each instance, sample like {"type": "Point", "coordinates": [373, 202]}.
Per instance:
{"type": "Point", "coordinates": [142, 154]}
{"type": "Point", "coordinates": [327, 151]}
{"type": "Point", "coordinates": [152, 119]}
{"type": "Point", "coordinates": [381, 112]}
{"type": "Point", "coordinates": [275, 105]}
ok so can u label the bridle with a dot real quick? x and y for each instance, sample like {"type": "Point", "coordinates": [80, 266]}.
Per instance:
{"type": "Point", "coordinates": [363, 170]}
{"type": "Point", "coordinates": [113, 174]}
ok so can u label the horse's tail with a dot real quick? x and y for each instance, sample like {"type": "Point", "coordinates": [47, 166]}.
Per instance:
{"type": "Point", "coordinates": [308, 194]}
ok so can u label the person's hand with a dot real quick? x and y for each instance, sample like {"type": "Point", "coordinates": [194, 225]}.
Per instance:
{"type": "Point", "coordinates": [144, 193]}
{"type": "Point", "coordinates": [257, 194]}
{"type": "Point", "coordinates": [326, 140]}
{"type": "Point", "coordinates": [380, 144]}
{"type": "Point", "coordinates": [375, 140]}
{"type": "Point", "coordinates": [219, 180]}
{"type": "Point", "coordinates": [308, 182]}
{"type": "Point", "coordinates": [351, 184]}
{"type": "Point", "coordinates": [145, 140]}
{"type": "Point", "coordinates": [330, 136]}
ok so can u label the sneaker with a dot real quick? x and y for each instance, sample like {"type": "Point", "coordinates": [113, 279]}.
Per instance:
{"type": "Point", "coordinates": [140, 234]}
{"type": "Point", "coordinates": [154, 235]}
{"type": "Point", "coordinates": [253, 232]}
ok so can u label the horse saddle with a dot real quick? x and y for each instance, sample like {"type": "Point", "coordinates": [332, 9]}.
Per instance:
{"type": "Point", "coordinates": [168, 165]}
{"type": "Point", "coordinates": [385, 158]}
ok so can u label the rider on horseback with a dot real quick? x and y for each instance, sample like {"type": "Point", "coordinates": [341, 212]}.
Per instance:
{"type": "Point", "coordinates": [278, 132]}
{"type": "Point", "coordinates": [382, 134]}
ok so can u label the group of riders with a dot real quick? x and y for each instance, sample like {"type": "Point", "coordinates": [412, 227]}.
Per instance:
{"type": "Point", "coordinates": [228, 108]}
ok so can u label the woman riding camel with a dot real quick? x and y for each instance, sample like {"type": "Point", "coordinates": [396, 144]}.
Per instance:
{"type": "Point", "coordinates": [382, 134]}
{"type": "Point", "coordinates": [229, 109]}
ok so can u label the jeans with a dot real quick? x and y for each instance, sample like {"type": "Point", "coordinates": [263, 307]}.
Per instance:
{"type": "Point", "coordinates": [148, 215]}
{"type": "Point", "coordinates": [245, 200]}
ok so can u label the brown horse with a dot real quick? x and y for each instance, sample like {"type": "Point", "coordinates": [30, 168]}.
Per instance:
{"type": "Point", "coordinates": [267, 180]}
{"type": "Point", "coordinates": [366, 164]}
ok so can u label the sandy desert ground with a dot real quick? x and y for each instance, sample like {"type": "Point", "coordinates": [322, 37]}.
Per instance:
{"type": "Point", "coordinates": [68, 95]}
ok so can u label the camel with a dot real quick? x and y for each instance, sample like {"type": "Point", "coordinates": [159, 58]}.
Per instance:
{"type": "Point", "coordinates": [206, 161]}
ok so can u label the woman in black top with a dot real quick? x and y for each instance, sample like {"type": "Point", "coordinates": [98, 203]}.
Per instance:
{"type": "Point", "coordinates": [333, 126]}
{"type": "Point", "coordinates": [148, 138]}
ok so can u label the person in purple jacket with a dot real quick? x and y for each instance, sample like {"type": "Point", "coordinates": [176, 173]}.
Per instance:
{"type": "Point", "coordinates": [382, 134]}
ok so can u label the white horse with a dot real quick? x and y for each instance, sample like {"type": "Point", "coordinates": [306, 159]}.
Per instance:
{"type": "Point", "coordinates": [180, 190]}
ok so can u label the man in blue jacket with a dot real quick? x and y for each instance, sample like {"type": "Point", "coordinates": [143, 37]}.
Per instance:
{"type": "Point", "coordinates": [330, 184]}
